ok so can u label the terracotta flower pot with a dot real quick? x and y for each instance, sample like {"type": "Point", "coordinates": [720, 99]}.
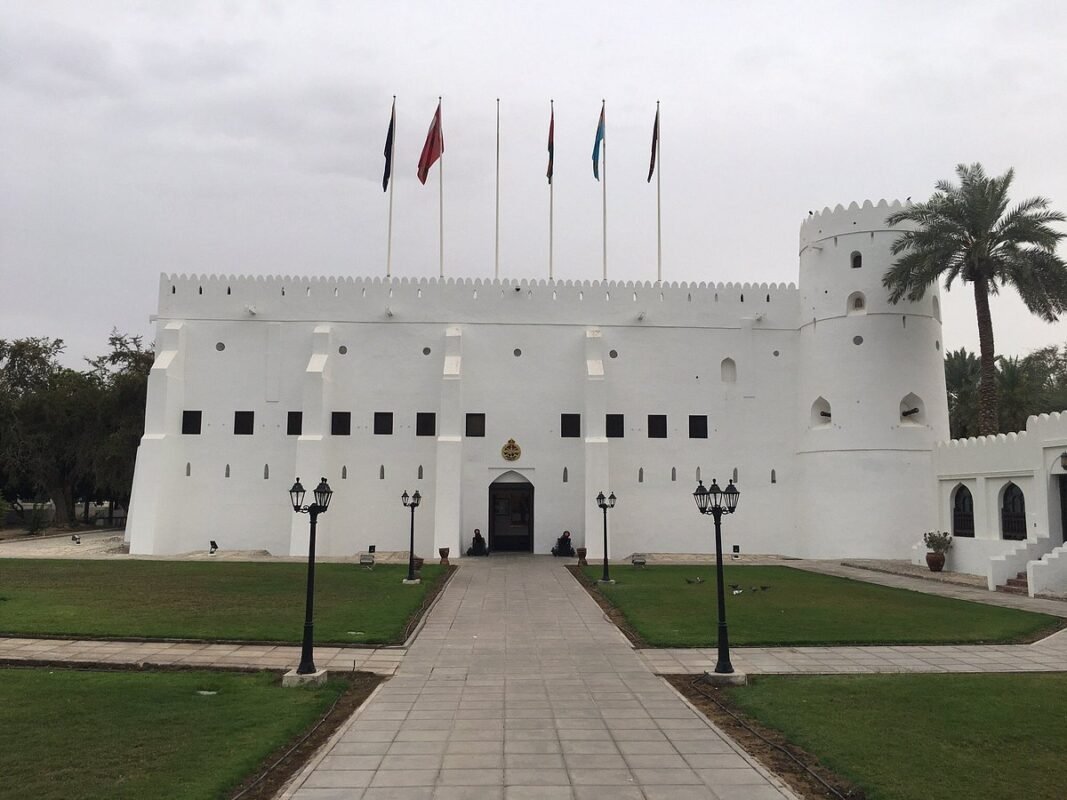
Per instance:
{"type": "Point", "coordinates": [581, 557]}
{"type": "Point", "coordinates": [935, 561]}
{"type": "Point", "coordinates": [443, 552]}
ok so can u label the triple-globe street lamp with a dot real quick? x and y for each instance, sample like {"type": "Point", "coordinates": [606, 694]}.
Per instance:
{"type": "Point", "coordinates": [716, 501]}
{"type": "Point", "coordinates": [322, 494]}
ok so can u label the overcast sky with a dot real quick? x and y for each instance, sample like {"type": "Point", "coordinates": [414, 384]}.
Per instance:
{"type": "Point", "coordinates": [247, 137]}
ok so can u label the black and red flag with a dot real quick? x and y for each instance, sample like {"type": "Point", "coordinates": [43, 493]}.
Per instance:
{"type": "Point", "coordinates": [389, 148]}
{"type": "Point", "coordinates": [551, 143]}
{"type": "Point", "coordinates": [655, 146]}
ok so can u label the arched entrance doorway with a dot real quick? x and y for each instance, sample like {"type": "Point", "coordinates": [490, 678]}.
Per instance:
{"type": "Point", "coordinates": [511, 514]}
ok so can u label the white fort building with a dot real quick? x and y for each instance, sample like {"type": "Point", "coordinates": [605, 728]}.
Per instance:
{"type": "Point", "coordinates": [510, 404]}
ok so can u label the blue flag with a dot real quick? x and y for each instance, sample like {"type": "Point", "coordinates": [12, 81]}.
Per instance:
{"type": "Point", "coordinates": [596, 144]}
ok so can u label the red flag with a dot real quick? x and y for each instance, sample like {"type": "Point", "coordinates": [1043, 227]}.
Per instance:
{"type": "Point", "coordinates": [434, 146]}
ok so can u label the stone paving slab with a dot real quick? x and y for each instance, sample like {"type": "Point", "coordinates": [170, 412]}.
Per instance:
{"type": "Point", "coordinates": [80, 651]}
{"type": "Point", "coordinates": [1046, 655]}
{"type": "Point", "coordinates": [518, 687]}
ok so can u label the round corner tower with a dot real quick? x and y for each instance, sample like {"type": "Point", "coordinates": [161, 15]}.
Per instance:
{"type": "Point", "coordinates": [871, 398]}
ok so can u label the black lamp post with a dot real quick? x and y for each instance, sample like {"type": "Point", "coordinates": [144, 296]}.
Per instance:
{"type": "Point", "coordinates": [716, 501]}
{"type": "Point", "coordinates": [411, 502]}
{"type": "Point", "coordinates": [605, 503]}
{"type": "Point", "coordinates": [323, 493]}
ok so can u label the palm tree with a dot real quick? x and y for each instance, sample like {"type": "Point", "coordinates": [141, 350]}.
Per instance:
{"type": "Point", "coordinates": [962, 372]}
{"type": "Point", "coordinates": [968, 232]}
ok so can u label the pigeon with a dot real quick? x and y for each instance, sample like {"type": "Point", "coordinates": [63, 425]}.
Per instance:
{"type": "Point", "coordinates": [76, 539]}
{"type": "Point", "coordinates": [697, 579]}
{"type": "Point", "coordinates": [738, 591]}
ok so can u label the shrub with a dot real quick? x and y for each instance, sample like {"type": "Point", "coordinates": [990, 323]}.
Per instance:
{"type": "Point", "coordinates": [937, 541]}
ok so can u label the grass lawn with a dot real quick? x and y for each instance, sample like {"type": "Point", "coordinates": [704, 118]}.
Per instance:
{"type": "Point", "coordinates": [800, 608]}
{"type": "Point", "coordinates": [924, 737]}
{"type": "Point", "coordinates": [196, 600]}
{"type": "Point", "coordinates": [142, 734]}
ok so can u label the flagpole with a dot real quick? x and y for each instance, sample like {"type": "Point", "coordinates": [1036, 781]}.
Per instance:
{"type": "Point", "coordinates": [389, 241]}
{"type": "Point", "coordinates": [659, 225]}
{"type": "Point", "coordinates": [604, 188]}
{"type": "Point", "coordinates": [551, 187]}
{"type": "Point", "coordinates": [496, 261]}
{"type": "Point", "coordinates": [441, 206]}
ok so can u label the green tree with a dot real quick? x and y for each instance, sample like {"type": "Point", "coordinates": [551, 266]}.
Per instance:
{"type": "Point", "coordinates": [962, 371]}
{"type": "Point", "coordinates": [123, 377]}
{"type": "Point", "coordinates": [968, 231]}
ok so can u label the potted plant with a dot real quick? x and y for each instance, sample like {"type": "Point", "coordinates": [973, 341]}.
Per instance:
{"type": "Point", "coordinates": [938, 543]}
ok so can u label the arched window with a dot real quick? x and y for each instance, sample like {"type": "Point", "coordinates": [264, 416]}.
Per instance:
{"type": "Point", "coordinates": [698, 474]}
{"type": "Point", "coordinates": [728, 370]}
{"type": "Point", "coordinates": [774, 476]}
{"type": "Point", "coordinates": [912, 411]}
{"type": "Point", "coordinates": [963, 512]}
{"type": "Point", "coordinates": [856, 259]}
{"type": "Point", "coordinates": [188, 469]}
{"type": "Point", "coordinates": [735, 475]}
{"type": "Point", "coordinates": [1013, 513]}
{"type": "Point", "coordinates": [674, 473]}
{"type": "Point", "coordinates": [566, 476]}
{"type": "Point", "coordinates": [381, 472]}
{"type": "Point", "coordinates": [227, 470]}
{"type": "Point", "coordinates": [937, 310]}
{"type": "Point", "coordinates": [344, 472]}
{"type": "Point", "coordinates": [266, 472]}
{"type": "Point", "coordinates": [857, 304]}
{"type": "Point", "coordinates": [420, 472]}
{"type": "Point", "coordinates": [640, 474]}
{"type": "Point", "coordinates": [820, 413]}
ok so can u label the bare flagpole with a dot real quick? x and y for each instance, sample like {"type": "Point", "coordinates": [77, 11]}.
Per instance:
{"type": "Point", "coordinates": [441, 205]}
{"type": "Point", "coordinates": [551, 186]}
{"type": "Point", "coordinates": [604, 188]}
{"type": "Point", "coordinates": [389, 243]}
{"type": "Point", "coordinates": [659, 225]}
{"type": "Point", "coordinates": [496, 261]}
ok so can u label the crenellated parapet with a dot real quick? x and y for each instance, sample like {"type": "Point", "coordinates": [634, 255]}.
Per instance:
{"type": "Point", "coordinates": [841, 221]}
{"type": "Point", "coordinates": [1039, 426]}
{"type": "Point", "coordinates": [342, 299]}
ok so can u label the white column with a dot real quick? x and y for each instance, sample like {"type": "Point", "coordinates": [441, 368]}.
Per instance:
{"type": "Point", "coordinates": [597, 464]}
{"type": "Point", "coordinates": [311, 445]}
{"type": "Point", "coordinates": [448, 481]}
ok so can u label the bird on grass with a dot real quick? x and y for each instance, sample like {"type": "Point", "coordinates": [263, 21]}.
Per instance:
{"type": "Point", "coordinates": [697, 579]}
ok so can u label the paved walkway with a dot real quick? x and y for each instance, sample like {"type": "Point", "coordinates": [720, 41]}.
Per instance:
{"type": "Point", "coordinates": [1057, 608]}
{"type": "Point", "coordinates": [1048, 655]}
{"type": "Point", "coordinates": [518, 687]}
{"type": "Point", "coordinates": [89, 651]}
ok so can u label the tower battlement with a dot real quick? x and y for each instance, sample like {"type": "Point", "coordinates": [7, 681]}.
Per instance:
{"type": "Point", "coordinates": [842, 221]}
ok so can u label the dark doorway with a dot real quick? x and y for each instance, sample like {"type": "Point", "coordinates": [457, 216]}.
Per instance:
{"type": "Point", "coordinates": [1063, 507]}
{"type": "Point", "coordinates": [511, 518]}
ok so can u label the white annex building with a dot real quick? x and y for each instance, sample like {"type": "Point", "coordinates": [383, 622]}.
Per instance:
{"type": "Point", "coordinates": [510, 404]}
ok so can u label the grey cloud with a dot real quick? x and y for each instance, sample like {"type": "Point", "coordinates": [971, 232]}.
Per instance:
{"type": "Point", "coordinates": [59, 63]}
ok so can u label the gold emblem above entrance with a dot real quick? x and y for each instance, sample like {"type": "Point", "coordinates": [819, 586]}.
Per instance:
{"type": "Point", "coordinates": [511, 451]}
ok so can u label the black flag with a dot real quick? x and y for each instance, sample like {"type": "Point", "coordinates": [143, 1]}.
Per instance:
{"type": "Point", "coordinates": [389, 149]}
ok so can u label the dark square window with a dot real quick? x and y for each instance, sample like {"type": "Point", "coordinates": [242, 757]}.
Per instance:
{"type": "Point", "coordinates": [476, 425]}
{"type": "Point", "coordinates": [341, 423]}
{"type": "Point", "coordinates": [244, 423]}
{"type": "Point", "coordinates": [191, 422]}
{"type": "Point", "coordinates": [383, 423]}
{"type": "Point", "coordinates": [657, 426]}
{"type": "Point", "coordinates": [698, 426]}
{"type": "Point", "coordinates": [294, 423]}
{"type": "Point", "coordinates": [570, 426]}
{"type": "Point", "coordinates": [425, 423]}
{"type": "Point", "coordinates": [615, 426]}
